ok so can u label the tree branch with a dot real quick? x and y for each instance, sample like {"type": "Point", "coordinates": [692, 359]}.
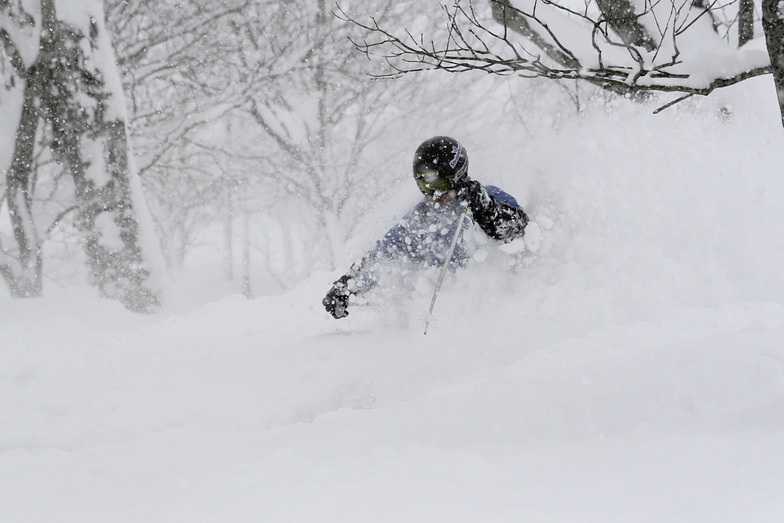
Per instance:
{"type": "Point", "coordinates": [472, 46]}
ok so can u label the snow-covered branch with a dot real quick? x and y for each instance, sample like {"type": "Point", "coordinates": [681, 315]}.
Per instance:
{"type": "Point", "coordinates": [627, 46]}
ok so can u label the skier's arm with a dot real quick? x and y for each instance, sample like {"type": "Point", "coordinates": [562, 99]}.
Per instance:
{"type": "Point", "coordinates": [499, 220]}
{"type": "Point", "coordinates": [362, 276]}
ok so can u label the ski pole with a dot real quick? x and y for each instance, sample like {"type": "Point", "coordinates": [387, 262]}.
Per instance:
{"type": "Point", "coordinates": [443, 270]}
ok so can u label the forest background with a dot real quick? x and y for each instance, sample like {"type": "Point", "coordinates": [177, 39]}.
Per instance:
{"type": "Point", "coordinates": [265, 137]}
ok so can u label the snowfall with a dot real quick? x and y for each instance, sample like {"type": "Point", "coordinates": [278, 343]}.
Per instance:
{"type": "Point", "coordinates": [626, 364]}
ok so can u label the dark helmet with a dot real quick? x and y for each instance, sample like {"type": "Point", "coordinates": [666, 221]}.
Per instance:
{"type": "Point", "coordinates": [440, 163]}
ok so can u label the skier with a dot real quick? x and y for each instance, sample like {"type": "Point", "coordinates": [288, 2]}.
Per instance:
{"type": "Point", "coordinates": [424, 235]}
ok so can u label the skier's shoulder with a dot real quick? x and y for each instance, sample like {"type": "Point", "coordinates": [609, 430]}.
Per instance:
{"type": "Point", "coordinates": [502, 196]}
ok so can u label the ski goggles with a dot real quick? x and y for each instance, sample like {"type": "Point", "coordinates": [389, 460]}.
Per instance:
{"type": "Point", "coordinates": [430, 183]}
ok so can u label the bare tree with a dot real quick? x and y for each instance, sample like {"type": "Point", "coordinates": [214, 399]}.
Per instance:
{"type": "Point", "coordinates": [182, 80]}
{"type": "Point", "coordinates": [320, 120]}
{"type": "Point", "coordinates": [628, 47]}
{"type": "Point", "coordinates": [68, 89]}
{"type": "Point", "coordinates": [249, 106]}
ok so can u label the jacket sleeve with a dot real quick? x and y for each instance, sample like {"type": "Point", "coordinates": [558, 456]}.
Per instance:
{"type": "Point", "coordinates": [497, 213]}
{"type": "Point", "coordinates": [398, 242]}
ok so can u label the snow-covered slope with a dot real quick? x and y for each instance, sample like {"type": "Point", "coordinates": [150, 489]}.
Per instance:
{"type": "Point", "coordinates": [627, 366]}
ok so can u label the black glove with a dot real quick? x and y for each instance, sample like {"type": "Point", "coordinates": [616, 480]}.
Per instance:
{"type": "Point", "coordinates": [336, 300]}
{"type": "Point", "coordinates": [475, 197]}
{"type": "Point", "coordinates": [500, 221]}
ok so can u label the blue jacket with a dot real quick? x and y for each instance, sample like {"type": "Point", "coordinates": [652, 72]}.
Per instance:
{"type": "Point", "coordinates": [422, 237]}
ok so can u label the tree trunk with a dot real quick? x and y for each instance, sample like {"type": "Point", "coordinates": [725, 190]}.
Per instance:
{"type": "Point", "coordinates": [92, 141]}
{"type": "Point", "coordinates": [24, 278]}
{"type": "Point", "coordinates": [228, 234]}
{"type": "Point", "coordinates": [107, 219]}
{"type": "Point", "coordinates": [620, 15]}
{"type": "Point", "coordinates": [745, 22]}
{"type": "Point", "coordinates": [247, 288]}
{"type": "Point", "coordinates": [72, 86]}
{"type": "Point", "coordinates": [773, 26]}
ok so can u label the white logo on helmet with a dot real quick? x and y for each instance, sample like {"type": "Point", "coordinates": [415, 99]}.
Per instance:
{"type": "Point", "coordinates": [457, 149]}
